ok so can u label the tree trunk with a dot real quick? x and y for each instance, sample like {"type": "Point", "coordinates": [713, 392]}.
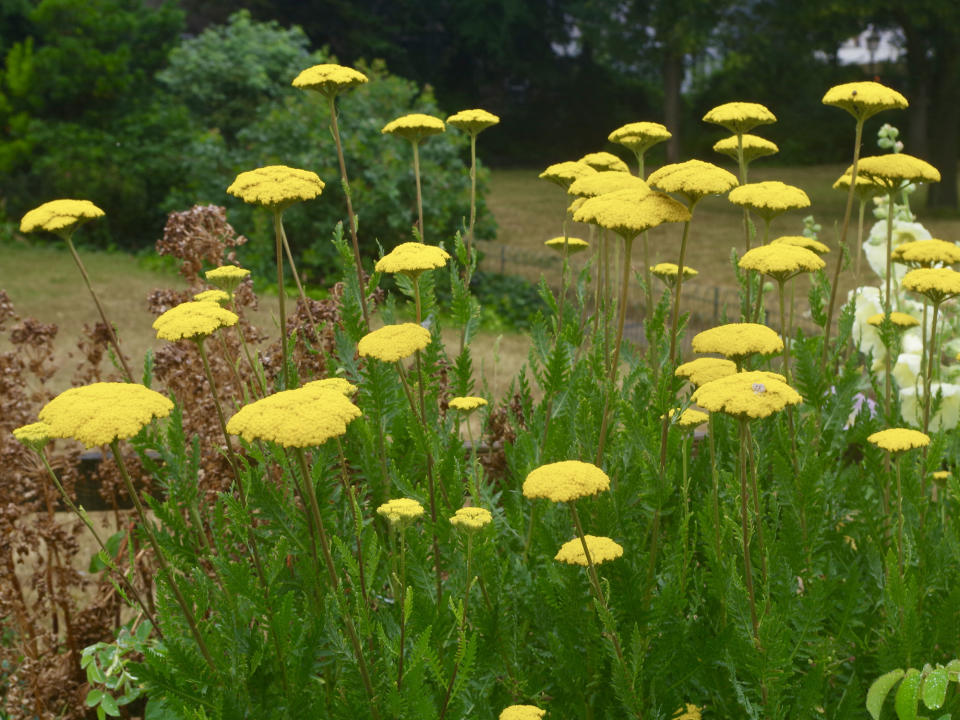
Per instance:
{"type": "Point", "coordinates": [918, 71]}
{"type": "Point", "coordinates": [672, 78]}
{"type": "Point", "coordinates": [945, 111]}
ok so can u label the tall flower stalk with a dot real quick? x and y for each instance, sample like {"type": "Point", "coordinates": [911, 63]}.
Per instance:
{"type": "Point", "coordinates": [416, 128]}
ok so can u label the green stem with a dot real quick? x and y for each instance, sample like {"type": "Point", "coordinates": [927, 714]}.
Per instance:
{"type": "Point", "coordinates": [899, 523]}
{"type": "Point", "coordinates": [254, 367]}
{"type": "Point", "coordinates": [463, 627]}
{"type": "Point", "coordinates": [357, 517]}
{"type": "Point", "coordinates": [296, 277]}
{"type": "Point", "coordinates": [278, 233]}
{"type": "Point", "coordinates": [863, 207]}
{"type": "Point", "coordinates": [231, 456]}
{"type": "Point", "coordinates": [403, 602]}
{"type": "Point", "coordinates": [416, 174]}
{"type": "Point", "coordinates": [758, 309]}
{"type": "Point", "coordinates": [783, 332]}
{"type": "Point", "coordinates": [888, 307]}
{"type": "Point", "coordinates": [473, 193]}
{"type": "Point", "coordinates": [745, 526]}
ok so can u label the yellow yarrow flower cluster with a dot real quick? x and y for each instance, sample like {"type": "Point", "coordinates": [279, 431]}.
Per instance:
{"type": "Point", "coordinates": [693, 179]}
{"type": "Point", "coordinates": [565, 481]}
{"type": "Point", "coordinates": [753, 147]}
{"type": "Point", "coordinates": [329, 79]}
{"type": "Point", "coordinates": [607, 181]}
{"type": "Point", "coordinates": [865, 188]}
{"type": "Point", "coordinates": [601, 550]}
{"type": "Point", "coordinates": [192, 320]}
{"type": "Point", "coordinates": [471, 518]}
{"type": "Point", "coordinates": [565, 173]}
{"type": "Point", "coordinates": [769, 198]}
{"type": "Point", "coordinates": [688, 712]}
{"type": "Point", "coordinates": [669, 271]}
{"type": "Point", "coordinates": [781, 261]}
{"type": "Point", "coordinates": [802, 241]}
{"type": "Point", "coordinates": [569, 244]}
{"type": "Point", "coordinates": [412, 258]}
{"type": "Point", "coordinates": [898, 319]}
{"type": "Point", "coordinates": [629, 217]}
{"type": "Point", "coordinates": [303, 417]}
{"type": "Point", "coordinates": [940, 476]}
{"type": "Point", "coordinates": [59, 216]}
{"type": "Point", "coordinates": [892, 169]}
{"type": "Point", "coordinates": [276, 186]}
{"type": "Point", "coordinates": [214, 296]}
{"type": "Point", "coordinates": [522, 712]}
{"type": "Point", "coordinates": [936, 284]}
{"type": "Point", "coordinates": [226, 277]}
{"type": "Point", "coordinates": [473, 121]}
{"type": "Point", "coordinates": [689, 418]}
{"type": "Point", "coordinates": [394, 342]}
{"type": "Point", "coordinates": [738, 341]}
{"type": "Point", "coordinates": [926, 253]}
{"type": "Point", "coordinates": [605, 161]}
{"type": "Point", "coordinates": [100, 413]}
{"type": "Point", "coordinates": [337, 384]}
{"type": "Point", "coordinates": [400, 511]}
{"type": "Point", "coordinates": [740, 117]}
{"type": "Point", "coordinates": [747, 395]}
{"type": "Point", "coordinates": [639, 136]}
{"type": "Point", "coordinates": [467, 403]}
{"type": "Point", "coordinates": [414, 127]}
{"type": "Point", "coordinates": [35, 435]}
{"type": "Point", "coordinates": [703, 370]}
{"type": "Point", "coordinates": [896, 440]}
{"type": "Point", "coordinates": [864, 99]}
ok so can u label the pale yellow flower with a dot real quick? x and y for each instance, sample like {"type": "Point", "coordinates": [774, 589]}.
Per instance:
{"type": "Point", "coordinates": [565, 173]}
{"type": "Point", "coordinates": [769, 198]}
{"type": "Point", "coordinates": [471, 518]}
{"type": "Point", "coordinates": [522, 712]}
{"type": "Point", "coordinates": [400, 511]}
{"type": "Point", "coordinates": [926, 253]}
{"type": "Point", "coordinates": [329, 79]}
{"type": "Point", "coordinates": [303, 417]}
{"type": "Point", "coordinates": [394, 342]}
{"type": "Point", "coordinates": [276, 186]}
{"type": "Point", "coordinates": [892, 169]}
{"type": "Point", "coordinates": [467, 403]}
{"type": "Point", "coordinates": [607, 181]}
{"type": "Point", "coordinates": [564, 481]}
{"type": "Point", "coordinates": [192, 320]}
{"type": "Point", "coordinates": [802, 241]}
{"type": "Point", "coordinates": [639, 136]}
{"type": "Point", "coordinates": [59, 216]}
{"type": "Point", "coordinates": [601, 550]}
{"type": "Point", "coordinates": [414, 127]}
{"type": "Point", "coordinates": [781, 261]}
{"type": "Point", "coordinates": [605, 161]}
{"type": "Point", "coordinates": [753, 147]}
{"type": "Point", "coordinates": [628, 218]}
{"type": "Point", "coordinates": [473, 121]}
{"type": "Point", "coordinates": [412, 258]}
{"type": "Point", "coordinates": [896, 440]}
{"type": "Point", "coordinates": [864, 99]}
{"type": "Point", "coordinates": [693, 179]}
{"type": "Point", "coordinates": [569, 244]}
{"type": "Point", "coordinates": [703, 370]}
{"type": "Point", "coordinates": [740, 117]}
{"type": "Point", "coordinates": [738, 341]}
{"type": "Point", "coordinates": [936, 284]}
{"type": "Point", "coordinates": [746, 395]}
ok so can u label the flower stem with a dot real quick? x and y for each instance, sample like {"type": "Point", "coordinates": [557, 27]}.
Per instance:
{"type": "Point", "coordinates": [278, 233]}
{"type": "Point", "coordinates": [463, 626]}
{"type": "Point", "coordinates": [416, 174]}
{"type": "Point", "coordinates": [473, 194]}
{"type": "Point", "coordinates": [357, 517]}
{"type": "Point", "coordinates": [888, 306]}
{"type": "Point", "coordinates": [744, 523]}
{"type": "Point", "coordinates": [403, 604]}
{"type": "Point", "coordinates": [899, 521]}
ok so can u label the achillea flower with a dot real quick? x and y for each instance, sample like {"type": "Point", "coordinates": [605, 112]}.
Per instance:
{"type": "Point", "coordinates": [467, 403]}
{"type": "Point", "coordinates": [703, 370]}
{"type": "Point", "coordinates": [866, 186]}
{"type": "Point", "coordinates": [414, 127]}
{"type": "Point", "coordinates": [769, 198]}
{"type": "Point", "coordinates": [192, 320]}
{"type": "Point", "coordinates": [738, 341]}
{"type": "Point", "coordinates": [894, 168]}
{"type": "Point", "coordinates": [864, 99]}
{"type": "Point", "coordinates": [522, 712]}
{"type": "Point", "coordinates": [781, 261]}
{"type": "Point", "coordinates": [301, 418]}
{"type": "Point", "coordinates": [471, 518]}
{"type": "Point", "coordinates": [35, 435]}
{"type": "Point", "coordinates": [276, 186]}
{"type": "Point", "coordinates": [802, 241]}
{"type": "Point", "coordinates": [473, 121]}
{"type": "Point", "coordinates": [226, 277]}
{"type": "Point", "coordinates": [693, 179]}
{"type": "Point", "coordinates": [669, 271]}
{"type": "Point", "coordinates": [689, 418]}
{"type": "Point", "coordinates": [337, 384]}
{"type": "Point", "coordinates": [569, 244]}
{"type": "Point", "coordinates": [740, 117]}
{"type": "Point", "coordinates": [629, 218]}
{"type": "Point", "coordinates": [400, 511]}
{"type": "Point", "coordinates": [896, 440]}
{"type": "Point", "coordinates": [640, 136]}
{"type": "Point", "coordinates": [59, 216]}
{"type": "Point", "coordinates": [926, 253]}
{"type": "Point", "coordinates": [564, 481]}
{"type": "Point", "coordinates": [936, 284]}
{"type": "Point", "coordinates": [753, 147]}
{"type": "Point", "coordinates": [940, 477]}
{"type": "Point", "coordinates": [565, 173]}
{"type": "Point", "coordinates": [746, 395]}
{"type": "Point", "coordinates": [215, 296]}
{"type": "Point", "coordinates": [607, 181]}
{"type": "Point", "coordinates": [100, 413]}
{"type": "Point", "coordinates": [689, 712]}
{"type": "Point", "coordinates": [601, 549]}
{"type": "Point", "coordinates": [412, 258]}
{"type": "Point", "coordinates": [899, 320]}
{"type": "Point", "coordinates": [605, 161]}
{"type": "Point", "coordinates": [394, 342]}
{"type": "Point", "coordinates": [329, 79]}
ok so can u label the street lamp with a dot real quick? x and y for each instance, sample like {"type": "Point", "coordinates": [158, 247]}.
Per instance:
{"type": "Point", "coordinates": [873, 42]}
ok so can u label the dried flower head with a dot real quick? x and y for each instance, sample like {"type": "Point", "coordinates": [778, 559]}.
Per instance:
{"type": "Point", "coordinates": [394, 342]}
{"type": "Point", "coordinates": [693, 179]}
{"type": "Point", "coordinates": [59, 216]}
{"type": "Point", "coordinates": [601, 550]}
{"type": "Point", "coordinates": [329, 79]}
{"type": "Point", "coordinates": [605, 161]}
{"type": "Point", "coordinates": [640, 136]}
{"type": "Point", "coordinates": [414, 127]}
{"type": "Point", "coordinates": [769, 198]}
{"type": "Point", "coordinates": [753, 147]}
{"type": "Point", "coordinates": [565, 173]}
{"type": "Point", "coordinates": [892, 169]}
{"type": "Point", "coordinates": [522, 712]}
{"type": "Point", "coordinates": [802, 241]}
{"type": "Point", "coordinates": [864, 99]}
{"type": "Point", "coordinates": [412, 258]}
{"type": "Point", "coordinates": [473, 121]}
{"type": "Point", "coordinates": [471, 518]}
{"type": "Point", "coordinates": [738, 341]}
{"type": "Point", "coordinates": [926, 253]}
{"type": "Point", "coordinates": [781, 261]}
{"type": "Point", "coordinates": [740, 117]}
{"type": "Point", "coordinates": [570, 245]}
{"type": "Point", "coordinates": [467, 403]}
{"type": "Point", "coordinates": [898, 319]}
{"type": "Point", "coordinates": [607, 181]}
{"type": "Point", "coordinates": [703, 370]}
{"type": "Point", "coordinates": [303, 417]}
{"type": "Point", "coordinates": [896, 440]}
{"type": "Point", "coordinates": [935, 284]}
{"type": "Point", "coordinates": [192, 320]}
{"type": "Point", "coordinates": [276, 186]}
{"type": "Point", "coordinates": [564, 481]}
{"type": "Point", "coordinates": [747, 395]}
{"type": "Point", "coordinates": [400, 511]}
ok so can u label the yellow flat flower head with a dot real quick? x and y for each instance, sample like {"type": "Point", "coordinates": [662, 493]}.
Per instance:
{"type": "Point", "coordinates": [769, 198]}
{"type": "Point", "coordinates": [59, 216]}
{"type": "Point", "coordinates": [564, 173]}
{"type": "Point", "coordinates": [628, 217]}
{"type": "Point", "coordinates": [640, 136]}
{"type": "Point", "coordinates": [940, 477]}
{"type": "Point", "coordinates": [694, 179]}
{"type": "Point", "coordinates": [193, 320]}
{"type": "Point", "coordinates": [522, 712]}
{"type": "Point", "coordinates": [781, 261]}
{"type": "Point", "coordinates": [569, 244]}
{"type": "Point", "coordinates": [703, 370]}
{"type": "Point", "coordinates": [738, 341]}
{"type": "Point", "coordinates": [605, 161]}
{"type": "Point", "coordinates": [926, 253]}
{"type": "Point", "coordinates": [414, 127]}
{"type": "Point", "coordinates": [216, 296]}
{"type": "Point", "coordinates": [473, 121]}
{"type": "Point", "coordinates": [467, 403]}
{"type": "Point", "coordinates": [276, 186]}
{"type": "Point", "coordinates": [747, 395]}
{"type": "Point", "coordinates": [100, 413]}
{"type": "Point", "coordinates": [564, 481]}
{"type": "Point", "coordinates": [226, 277]}
{"type": "Point", "coordinates": [688, 712]}
{"type": "Point", "coordinates": [936, 284]}
{"type": "Point", "coordinates": [337, 384]}
{"type": "Point", "coordinates": [607, 181]}
{"type": "Point", "coordinates": [400, 511]}
{"type": "Point", "coordinates": [412, 258]}
{"type": "Point", "coordinates": [394, 342]}
{"type": "Point", "coordinates": [329, 79]}
{"type": "Point", "coordinates": [864, 99]}
{"type": "Point", "coordinates": [740, 117]}
{"type": "Point", "coordinates": [689, 418]}
{"type": "Point", "coordinates": [601, 550]}
{"type": "Point", "coordinates": [754, 147]}
{"type": "Point", "coordinates": [35, 435]}
{"type": "Point", "coordinates": [802, 241]}
{"type": "Point", "coordinates": [897, 440]}
{"type": "Point", "coordinates": [894, 168]}
{"type": "Point", "coordinates": [899, 319]}
{"type": "Point", "coordinates": [471, 518]}
{"type": "Point", "coordinates": [866, 187]}
{"type": "Point", "coordinates": [667, 272]}
{"type": "Point", "coordinates": [301, 418]}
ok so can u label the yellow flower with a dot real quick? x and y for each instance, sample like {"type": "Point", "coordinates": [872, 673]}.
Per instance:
{"type": "Point", "coordinates": [926, 253]}
{"type": "Point", "coordinates": [668, 272]}
{"type": "Point", "coordinates": [769, 198]}
{"type": "Point", "coordinates": [866, 188]}
{"type": "Point", "coordinates": [689, 418]}
{"type": "Point", "coordinates": [412, 258]}
{"type": "Point", "coordinates": [689, 712]}
{"type": "Point", "coordinates": [601, 549]}
{"type": "Point", "coordinates": [703, 370]}
{"type": "Point", "coordinates": [394, 342]}
{"type": "Point", "coordinates": [215, 296]}
{"type": "Point", "coordinates": [740, 117]}
{"type": "Point", "coordinates": [738, 341]}
{"type": "Point", "coordinates": [746, 395]}
{"type": "Point", "coordinates": [35, 435]}
{"type": "Point", "coordinates": [639, 136]}
{"type": "Point", "coordinates": [100, 413]}
{"type": "Point", "coordinates": [192, 320]}
{"type": "Point", "coordinates": [605, 161]}
{"type": "Point", "coordinates": [59, 216]}
{"type": "Point", "coordinates": [414, 127]}
{"type": "Point", "coordinates": [754, 147]}
{"type": "Point", "coordinates": [570, 244]}
{"type": "Point", "coordinates": [892, 169]}
{"type": "Point", "coordinates": [802, 241]}
{"type": "Point", "coordinates": [940, 477]}
{"type": "Point", "coordinates": [607, 181]}
{"type": "Point", "coordinates": [896, 440]}
{"type": "Point", "coordinates": [693, 179]}
{"type": "Point", "coordinates": [864, 99]}
{"type": "Point", "coordinates": [566, 172]}
{"type": "Point", "coordinates": [522, 712]}
{"type": "Point", "coordinates": [226, 277]}
{"type": "Point", "coordinates": [276, 186]}
{"type": "Point", "coordinates": [338, 384]}
{"type": "Point", "coordinates": [467, 403]}
{"type": "Point", "coordinates": [936, 284]}
{"type": "Point", "coordinates": [400, 511]}
{"type": "Point", "coordinates": [781, 261]}
{"type": "Point", "coordinates": [628, 217]}
{"type": "Point", "coordinates": [471, 518]}
{"type": "Point", "coordinates": [473, 121]}
{"type": "Point", "coordinates": [564, 481]}
{"type": "Point", "coordinates": [899, 319]}
{"type": "Point", "coordinates": [303, 417]}
{"type": "Point", "coordinates": [329, 79]}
